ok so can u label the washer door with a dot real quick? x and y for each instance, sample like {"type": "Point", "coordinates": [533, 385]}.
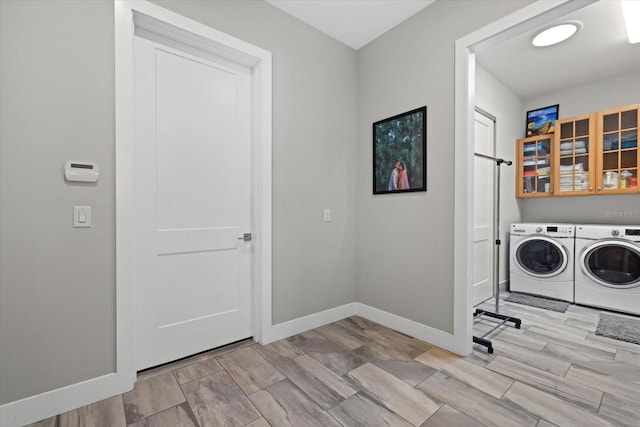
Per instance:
{"type": "Point", "coordinates": [612, 263]}
{"type": "Point", "coordinates": [541, 257]}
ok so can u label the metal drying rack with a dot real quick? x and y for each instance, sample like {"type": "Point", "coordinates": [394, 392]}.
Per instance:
{"type": "Point", "coordinates": [496, 272]}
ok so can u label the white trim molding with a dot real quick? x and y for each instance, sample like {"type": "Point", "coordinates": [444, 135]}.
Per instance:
{"type": "Point", "coordinates": [505, 28]}
{"type": "Point", "coordinates": [45, 405]}
{"type": "Point", "coordinates": [409, 327]}
{"type": "Point", "coordinates": [312, 321]}
{"type": "Point", "coordinates": [401, 324]}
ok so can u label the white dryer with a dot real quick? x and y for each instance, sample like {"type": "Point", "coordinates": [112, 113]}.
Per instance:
{"type": "Point", "coordinates": [541, 261]}
{"type": "Point", "coordinates": [608, 267]}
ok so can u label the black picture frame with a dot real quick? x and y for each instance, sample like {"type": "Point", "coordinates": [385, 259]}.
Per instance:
{"type": "Point", "coordinates": [397, 141]}
{"type": "Point", "coordinates": [542, 121]}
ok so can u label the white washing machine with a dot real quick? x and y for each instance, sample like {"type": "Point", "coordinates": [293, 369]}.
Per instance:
{"type": "Point", "coordinates": [608, 267]}
{"type": "Point", "coordinates": [541, 261]}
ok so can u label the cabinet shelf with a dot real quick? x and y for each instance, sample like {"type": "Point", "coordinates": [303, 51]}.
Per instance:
{"type": "Point", "coordinates": [571, 156]}
{"type": "Point", "coordinates": [616, 150]}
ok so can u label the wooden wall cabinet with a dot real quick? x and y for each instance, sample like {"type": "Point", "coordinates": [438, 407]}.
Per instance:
{"type": "Point", "coordinates": [574, 156]}
{"type": "Point", "coordinates": [617, 147]}
{"type": "Point", "coordinates": [533, 163]}
{"type": "Point", "coordinates": [594, 153]}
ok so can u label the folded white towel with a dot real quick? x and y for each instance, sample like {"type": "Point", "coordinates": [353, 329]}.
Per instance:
{"type": "Point", "coordinates": [570, 145]}
{"type": "Point", "coordinates": [570, 168]}
{"type": "Point", "coordinates": [571, 152]}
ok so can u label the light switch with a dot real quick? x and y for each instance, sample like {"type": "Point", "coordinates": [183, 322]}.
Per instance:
{"type": "Point", "coordinates": [327, 215]}
{"type": "Point", "coordinates": [82, 216]}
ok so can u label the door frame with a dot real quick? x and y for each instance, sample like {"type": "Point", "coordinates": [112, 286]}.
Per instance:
{"type": "Point", "coordinates": [522, 20]}
{"type": "Point", "coordinates": [146, 16]}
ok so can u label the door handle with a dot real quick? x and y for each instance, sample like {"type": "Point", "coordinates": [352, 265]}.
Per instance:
{"type": "Point", "coordinates": [246, 237]}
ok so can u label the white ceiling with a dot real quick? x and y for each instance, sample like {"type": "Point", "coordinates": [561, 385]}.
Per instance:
{"type": "Point", "coordinates": [599, 51]}
{"type": "Point", "coordinates": [353, 22]}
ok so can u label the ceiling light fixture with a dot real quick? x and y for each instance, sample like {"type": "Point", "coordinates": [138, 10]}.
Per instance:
{"type": "Point", "coordinates": [556, 34]}
{"type": "Point", "coordinates": [631, 12]}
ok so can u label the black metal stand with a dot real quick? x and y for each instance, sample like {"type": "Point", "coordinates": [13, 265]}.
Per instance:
{"type": "Point", "coordinates": [516, 322]}
{"type": "Point", "coordinates": [496, 271]}
{"type": "Point", "coordinates": [483, 340]}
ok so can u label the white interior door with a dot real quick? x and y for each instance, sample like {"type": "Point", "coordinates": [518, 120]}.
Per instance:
{"type": "Point", "coordinates": [483, 244]}
{"type": "Point", "coordinates": [192, 199]}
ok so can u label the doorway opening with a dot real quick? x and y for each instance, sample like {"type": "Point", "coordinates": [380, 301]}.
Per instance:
{"type": "Point", "coordinates": [503, 29]}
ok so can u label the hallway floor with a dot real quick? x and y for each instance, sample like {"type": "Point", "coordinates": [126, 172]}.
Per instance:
{"type": "Point", "coordinates": [553, 371]}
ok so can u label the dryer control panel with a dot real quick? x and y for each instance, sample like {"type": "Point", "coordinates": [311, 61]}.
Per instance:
{"type": "Point", "coordinates": [632, 234]}
{"type": "Point", "coordinates": [598, 231]}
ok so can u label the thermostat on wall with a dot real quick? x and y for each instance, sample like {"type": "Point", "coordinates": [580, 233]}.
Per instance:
{"type": "Point", "coordinates": [81, 171]}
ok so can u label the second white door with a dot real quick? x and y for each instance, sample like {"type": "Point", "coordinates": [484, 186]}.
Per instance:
{"type": "Point", "coordinates": [483, 228]}
{"type": "Point", "coordinates": [193, 203]}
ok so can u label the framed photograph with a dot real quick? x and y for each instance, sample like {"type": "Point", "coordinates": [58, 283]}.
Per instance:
{"type": "Point", "coordinates": [400, 153]}
{"type": "Point", "coordinates": [542, 120]}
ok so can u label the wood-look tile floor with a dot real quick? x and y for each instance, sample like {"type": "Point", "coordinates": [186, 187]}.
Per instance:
{"type": "Point", "coordinates": [552, 371]}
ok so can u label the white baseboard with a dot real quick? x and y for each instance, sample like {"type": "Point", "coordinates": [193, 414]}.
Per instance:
{"type": "Point", "coordinates": [504, 286]}
{"type": "Point", "coordinates": [406, 326]}
{"type": "Point", "coordinates": [312, 321]}
{"type": "Point", "coordinates": [45, 405]}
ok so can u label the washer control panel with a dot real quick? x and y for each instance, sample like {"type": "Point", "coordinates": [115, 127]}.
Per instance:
{"type": "Point", "coordinates": [553, 230]}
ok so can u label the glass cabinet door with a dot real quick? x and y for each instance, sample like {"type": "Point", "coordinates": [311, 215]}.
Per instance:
{"type": "Point", "coordinates": [618, 157]}
{"type": "Point", "coordinates": [574, 155]}
{"type": "Point", "coordinates": [534, 166]}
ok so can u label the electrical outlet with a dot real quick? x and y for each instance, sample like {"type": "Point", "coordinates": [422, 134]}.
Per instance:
{"type": "Point", "coordinates": [327, 215]}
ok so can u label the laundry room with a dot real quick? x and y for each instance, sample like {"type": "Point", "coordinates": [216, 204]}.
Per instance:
{"type": "Point", "coordinates": [515, 78]}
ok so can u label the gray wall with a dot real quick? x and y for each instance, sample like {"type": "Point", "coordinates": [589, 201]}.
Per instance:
{"type": "Point", "coordinates": [405, 241]}
{"type": "Point", "coordinates": [500, 101]}
{"type": "Point", "coordinates": [605, 209]}
{"type": "Point", "coordinates": [57, 283]}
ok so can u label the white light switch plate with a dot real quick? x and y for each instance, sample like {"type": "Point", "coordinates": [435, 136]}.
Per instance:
{"type": "Point", "coordinates": [327, 215]}
{"type": "Point", "coordinates": [81, 216]}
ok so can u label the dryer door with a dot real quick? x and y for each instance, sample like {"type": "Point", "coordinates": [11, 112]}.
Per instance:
{"type": "Point", "coordinates": [541, 257]}
{"type": "Point", "coordinates": [612, 263]}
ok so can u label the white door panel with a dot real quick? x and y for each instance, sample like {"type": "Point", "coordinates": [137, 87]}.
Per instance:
{"type": "Point", "coordinates": [483, 274]}
{"type": "Point", "coordinates": [192, 190]}
{"type": "Point", "coordinates": [197, 239]}
{"type": "Point", "coordinates": [481, 232]}
{"type": "Point", "coordinates": [189, 95]}
{"type": "Point", "coordinates": [195, 297]}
